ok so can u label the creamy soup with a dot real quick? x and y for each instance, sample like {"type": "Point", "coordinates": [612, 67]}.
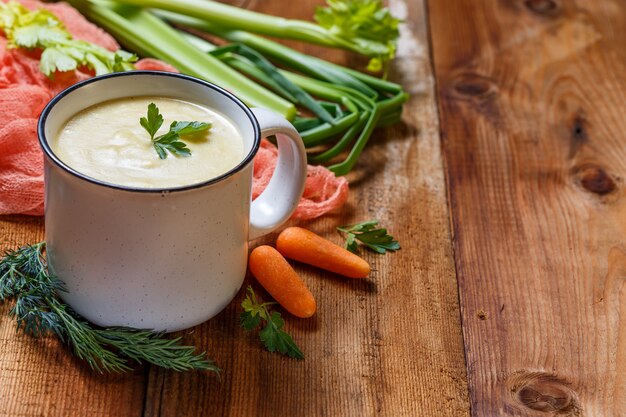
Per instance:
{"type": "Point", "coordinates": [107, 142]}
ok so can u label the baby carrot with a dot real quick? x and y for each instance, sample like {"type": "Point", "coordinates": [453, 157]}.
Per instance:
{"type": "Point", "coordinates": [281, 281]}
{"type": "Point", "coordinates": [307, 247]}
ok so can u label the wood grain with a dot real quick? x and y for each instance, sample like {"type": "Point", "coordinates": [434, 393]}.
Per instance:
{"type": "Point", "coordinates": [532, 115]}
{"type": "Point", "coordinates": [40, 377]}
{"type": "Point", "coordinates": [386, 346]}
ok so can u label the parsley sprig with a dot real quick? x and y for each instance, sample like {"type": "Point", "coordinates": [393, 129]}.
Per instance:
{"type": "Point", "coordinates": [25, 278]}
{"type": "Point", "coordinates": [170, 141]}
{"type": "Point", "coordinates": [272, 335]}
{"type": "Point", "coordinates": [60, 52]}
{"type": "Point", "coordinates": [368, 234]}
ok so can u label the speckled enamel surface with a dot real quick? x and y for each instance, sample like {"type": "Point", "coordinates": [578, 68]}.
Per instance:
{"type": "Point", "coordinates": [162, 261]}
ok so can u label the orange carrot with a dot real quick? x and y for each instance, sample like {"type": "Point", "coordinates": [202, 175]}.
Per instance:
{"type": "Point", "coordinates": [307, 247]}
{"type": "Point", "coordinates": [281, 281]}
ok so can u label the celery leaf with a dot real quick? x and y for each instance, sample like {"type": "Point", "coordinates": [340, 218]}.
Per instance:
{"type": "Point", "coordinates": [55, 59]}
{"type": "Point", "coordinates": [365, 22]}
{"type": "Point", "coordinates": [60, 52]}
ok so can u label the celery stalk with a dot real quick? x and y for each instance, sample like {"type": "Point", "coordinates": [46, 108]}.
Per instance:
{"type": "Point", "coordinates": [147, 35]}
{"type": "Point", "coordinates": [280, 52]}
{"type": "Point", "coordinates": [231, 16]}
{"type": "Point", "coordinates": [307, 64]}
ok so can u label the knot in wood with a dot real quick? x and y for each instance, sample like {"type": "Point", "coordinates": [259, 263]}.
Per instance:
{"type": "Point", "coordinates": [595, 180]}
{"type": "Point", "coordinates": [578, 129]}
{"type": "Point", "coordinates": [471, 85]}
{"type": "Point", "coordinates": [544, 398]}
{"type": "Point", "coordinates": [542, 7]}
{"type": "Point", "coordinates": [578, 135]}
{"type": "Point", "coordinates": [543, 392]}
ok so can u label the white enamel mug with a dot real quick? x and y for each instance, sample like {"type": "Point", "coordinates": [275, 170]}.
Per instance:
{"type": "Point", "coordinates": [163, 259]}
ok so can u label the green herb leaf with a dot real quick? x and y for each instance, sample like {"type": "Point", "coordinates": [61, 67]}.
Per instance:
{"type": "Point", "coordinates": [42, 29]}
{"type": "Point", "coordinates": [249, 320]}
{"type": "Point", "coordinates": [170, 141]}
{"type": "Point", "coordinates": [272, 335]}
{"type": "Point", "coordinates": [154, 120]}
{"type": "Point", "coordinates": [189, 128]}
{"type": "Point", "coordinates": [366, 22]}
{"type": "Point", "coordinates": [276, 339]}
{"type": "Point", "coordinates": [369, 235]}
{"type": "Point", "coordinates": [55, 59]}
{"type": "Point", "coordinates": [161, 150]}
{"type": "Point", "coordinates": [351, 243]}
{"type": "Point", "coordinates": [24, 277]}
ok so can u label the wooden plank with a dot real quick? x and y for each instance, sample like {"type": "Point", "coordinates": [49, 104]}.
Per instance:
{"type": "Point", "coordinates": [386, 346]}
{"type": "Point", "coordinates": [40, 377]}
{"type": "Point", "coordinates": [532, 114]}
{"type": "Point", "coordinates": [390, 345]}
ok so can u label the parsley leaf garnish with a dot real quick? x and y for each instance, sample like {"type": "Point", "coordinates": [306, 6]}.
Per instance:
{"type": "Point", "coordinates": [369, 235]}
{"type": "Point", "coordinates": [272, 335]}
{"type": "Point", "coordinates": [170, 141]}
{"type": "Point", "coordinates": [153, 122]}
{"type": "Point", "coordinates": [60, 52]}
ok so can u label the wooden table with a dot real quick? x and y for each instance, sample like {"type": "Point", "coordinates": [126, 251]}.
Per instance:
{"type": "Point", "coordinates": [505, 186]}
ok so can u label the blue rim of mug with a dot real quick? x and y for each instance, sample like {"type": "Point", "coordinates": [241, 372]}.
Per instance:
{"type": "Point", "coordinates": [51, 155]}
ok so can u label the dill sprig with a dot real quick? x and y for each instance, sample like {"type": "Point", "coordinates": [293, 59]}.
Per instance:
{"type": "Point", "coordinates": [24, 277]}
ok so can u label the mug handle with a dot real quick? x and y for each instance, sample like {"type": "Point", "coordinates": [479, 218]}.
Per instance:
{"type": "Point", "coordinates": [280, 199]}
